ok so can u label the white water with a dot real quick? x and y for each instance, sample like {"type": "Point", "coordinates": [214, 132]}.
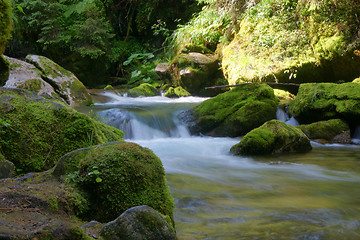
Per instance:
{"type": "Point", "coordinates": [284, 117]}
{"type": "Point", "coordinates": [220, 196]}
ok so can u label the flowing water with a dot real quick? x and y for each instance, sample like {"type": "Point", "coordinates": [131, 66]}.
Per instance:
{"type": "Point", "coordinates": [219, 196]}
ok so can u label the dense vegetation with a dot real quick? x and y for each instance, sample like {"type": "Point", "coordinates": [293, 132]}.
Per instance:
{"type": "Point", "coordinates": [121, 41]}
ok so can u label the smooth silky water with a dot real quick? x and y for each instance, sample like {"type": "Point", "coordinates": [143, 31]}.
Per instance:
{"type": "Point", "coordinates": [219, 196]}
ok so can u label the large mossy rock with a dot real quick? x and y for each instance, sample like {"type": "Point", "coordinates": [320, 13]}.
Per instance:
{"type": "Point", "coordinates": [334, 130]}
{"type": "Point", "coordinates": [140, 222]}
{"type": "Point", "coordinates": [7, 168]}
{"type": "Point", "coordinates": [46, 78]}
{"type": "Point", "coordinates": [65, 83]}
{"type": "Point", "coordinates": [145, 90]}
{"type": "Point", "coordinates": [273, 137]}
{"type": "Point", "coordinates": [39, 131]}
{"type": "Point", "coordinates": [26, 76]}
{"type": "Point", "coordinates": [324, 101]}
{"type": "Point", "coordinates": [193, 71]}
{"type": "Point", "coordinates": [176, 92]}
{"type": "Point", "coordinates": [235, 112]}
{"type": "Point", "coordinates": [295, 41]}
{"type": "Point", "coordinates": [118, 176]}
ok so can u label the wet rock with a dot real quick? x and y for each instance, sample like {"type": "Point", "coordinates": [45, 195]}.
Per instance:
{"type": "Point", "coordinates": [334, 131]}
{"type": "Point", "coordinates": [235, 112]}
{"type": "Point", "coordinates": [273, 137]}
{"type": "Point", "coordinates": [140, 222]}
{"type": "Point", "coordinates": [162, 69]}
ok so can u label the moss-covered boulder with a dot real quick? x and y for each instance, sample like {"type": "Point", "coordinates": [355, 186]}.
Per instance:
{"type": "Point", "coordinates": [141, 222]}
{"type": "Point", "coordinates": [118, 176]}
{"type": "Point", "coordinates": [145, 89]}
{"type": "Point", "coordinates": [65, 83]}
{"type": "Point", "coordinates": [356, 80]}
{"type": "Point", "coordinates": [235, 112]}
{"type": "Point", "coordinates": [295, 41]}
{"type": "Point", "coordinates": [26, 76]}
{"type": "Point", "coordinates": [193, 71]}
{"type": "Point", "coordinates": [324, 101]}
{"type": "Point", "coordinates": [273, 137]}
{"type": "Point", "coordinates": [39, 131]}
{"type": "Point", "coordinates": [334, 130]}
{"type": "Point", "coordinates": [176, 92]}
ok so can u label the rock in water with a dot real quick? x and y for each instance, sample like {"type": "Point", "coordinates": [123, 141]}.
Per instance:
{"type": "Point", "coordinates": [273, 137]}
{"type": "Point", "coordinates": [236, 112]}
{"type": "Point", "coordinates": [324, 101]}
{"type": "Point", "coordinates": [140, 222]}
{"type": "Point", "coordinates": [334, 130]}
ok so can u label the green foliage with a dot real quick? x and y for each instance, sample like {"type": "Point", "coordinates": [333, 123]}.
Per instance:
{"type": "Point", "coordinates": [5, 23]}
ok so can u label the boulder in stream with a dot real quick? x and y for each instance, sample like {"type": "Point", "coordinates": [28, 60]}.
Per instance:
{"type": "Point", "coordinates": [273, 137]}
{"type": "Point", "coordinates": [333, 131]}
{"type": "Point", "coordinates": [145, 90]}
{"type": "Point", "coordinates": [141, 222]}
{"type": "Point", "coordinates": [234, 113]}
{"type": "Point", "coordinates": [176, 92]}
{"type": "Point", "coordinates": [324, 101]}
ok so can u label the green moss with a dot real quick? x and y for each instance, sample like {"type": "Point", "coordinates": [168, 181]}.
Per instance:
{"type": "Point", "coordinates": [272, 137]}
{"type": "Point", "coordinates": [236, 112]}
{"type": "Point", "coordinates": [5, 23]}
{"type": "Point", "coordinates": [53, 202]}
{"type": "Point", "coordinates": [130, 176]}
{"type": "Point", "coordinates": [108, 87]}
{"type": "Point", "coordinates": [323, 101]}
{"type": "Point", "coordinates": [144, 89]}
{"type": "Point", "coordinates": [42, 131]}
{"type": "Point", "coordinates": [296, 41]}
{"type": "Point", "coordinates": [177, 92]}
{"type": "Point", "coordinates": [356, 80]}
{"type": "Point", "coordinates": [327, 130]}
{"type": "Point", "coordinates": [33, 85]}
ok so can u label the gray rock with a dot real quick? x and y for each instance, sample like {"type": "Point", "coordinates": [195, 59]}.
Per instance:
{"type": "Point", "coordinates": [7, 168]}
{"type": "Point", "coordinates": [65, 83]}
{"type": "Point", "coordinates": [138, 223]}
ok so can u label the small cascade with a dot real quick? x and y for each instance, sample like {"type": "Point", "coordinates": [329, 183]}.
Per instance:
{"type": "Point", "coordinates": [283, 116]}
{"type": "Point", "coordinates": [356, 137]}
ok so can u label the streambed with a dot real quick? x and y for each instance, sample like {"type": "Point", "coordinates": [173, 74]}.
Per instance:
{"type": "Point", "coordinates": [220, 196]}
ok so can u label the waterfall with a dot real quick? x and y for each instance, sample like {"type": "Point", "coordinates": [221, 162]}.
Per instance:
{"type": "Point", "coordinates": [283, 116]}
{"type": "Point", "coordinates": [356, 137]}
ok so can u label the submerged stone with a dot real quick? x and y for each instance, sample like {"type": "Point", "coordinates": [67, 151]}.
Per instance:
{"type": "Point", "coordinates": [141, 222]}
{"type": "Point", "coordinates": [273, 137]}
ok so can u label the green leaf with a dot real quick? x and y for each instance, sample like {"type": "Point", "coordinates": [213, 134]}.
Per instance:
{"type": "Point", "coordinates": [98, 180]}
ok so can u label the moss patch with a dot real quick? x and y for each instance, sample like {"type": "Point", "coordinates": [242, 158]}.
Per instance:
{"type": "Point", "coordinates": [177, 92]}
{"type": "Point", "coordinates": [5, 23]}
{"type": "Point", "coordinates": [41, 131]}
